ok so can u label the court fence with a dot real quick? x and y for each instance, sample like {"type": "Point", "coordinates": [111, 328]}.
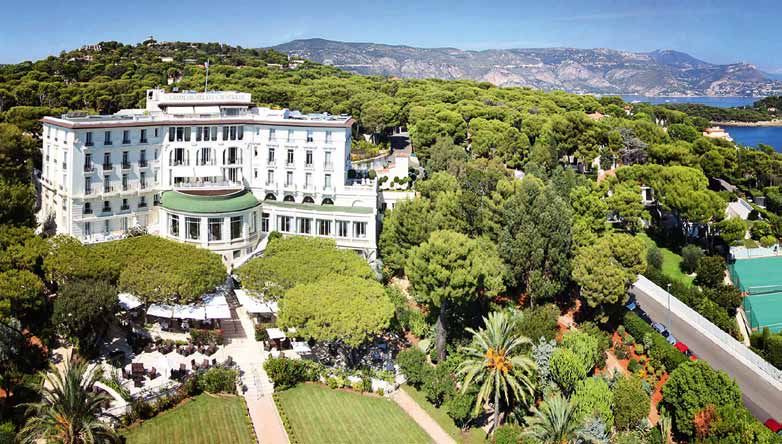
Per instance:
{"type": "Point", "coordinates": [717, 336]}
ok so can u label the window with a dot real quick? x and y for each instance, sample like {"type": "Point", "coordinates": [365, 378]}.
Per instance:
{"type": "Point", "coordinates": [360, 230]}
{"type": "Point", "coordinates": [88, 162]}
{"type": "Point", "coordinates": [232, 132]}
{"type": "Point", "coordinates": [87, 208]}
{"type": "Point", "coordinates": [88, 140]}
{"type": "Point", "coordinates": [324, 227]}
{"type": "Point", "coordinates": [225, 133]}
{"type": "Point", "coordinates": [308, 158]}
{"type": "Point", "coordinates": [270, 177]}
{"type": "Point", "coordinates": [142, 202]}
{"type": "Point", "coordinates": [328, 136]}
{"type": "Point", "coordinates": [142, 160]}
{"type": "Point", "coordinates": [327, 160]}
{"type": "Point", "coordinates": [253, 222]}
{"type": "Point", "coordinates": [270, 157]}
{"type": "Point", "coordinates": [307, 180]}
{"type": "Point", "coordinates": [236, 227]}
{"type": "Point", "coordinates": [327, 181]}
{"type": "Point", "coordinates": [342, 228]}
{"type": "Point", "coordinates": [125, 160]}
{"type": "Point", "coordinates": [171, 132]}
{"type": "Point", "coordinates": [106, 206]}
{"type": "Point", "coordinates": [213, 132]}
{"type": "Point", "coordinates": [106, 184]}
{"type": "Point", "coordinates": [310, 136]}
{"type": "Point", "coordinates": [124, 182]}
{"type": "Point", "coordinates": [180, 134]}
{"type": "Point", "coordinates": [126, 137]}
{"type": "Point", "coordinates": [107, 137]}
{"type": "Point", "coordinates": [284, 223]}
{"type": "Point", "coordinates": [107, 226]}
{"type": "Point", "coordinates": [87, 229]}
{"type": "Point", "coordinates": [142, 180]}
{"type": "Point", "coordinates": [272, 134]}
{"type": "Point", "coordinates": [88, 185]}
{"type": "Point", "coordinates": [237, 254]}
{"type": "Point", "coordinates": [156, 133]}
{"type": "Point", "coordinates": [289, 178]}
{"type": "Point", "coordinates": [303, 225]}
{"type": "Point", "coordinates": [124, 222]}
{"type": "Point", "coordinates": [290, 136]}
{"type": "Point", "coordinates": [143, 136]}
{"type": "Point", "coordinates": [290, 157]}
{"type": "Point", "coordinates": [215, 228]}
{"type": "Point", "coordinates": [106, 161]}
{"type": "Point", "coordinates": [187, 134]}
{"type": "Point", "coordinates": [265, 222]}
{"type": "Point", "coordinates": [198, 134]}
{"type": "Point", "coordinates": [255, 173]}
{"type": "Point", "coordinates": [193, 228]}
{"type": "Point", "coordinates": [173, 225]}
{"type": "Point", "coordinates": [206, 156]}
{"type": "Point", "coordinates": [240, 132]}
{"type": "Point", "coordinates": [125, 205]}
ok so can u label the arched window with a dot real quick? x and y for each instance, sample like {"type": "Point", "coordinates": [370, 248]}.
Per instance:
{"type": "Point", "coordinates": [327, 201]}
{"type": "Point", "coordinates": [308, 200]}
{"type": "Point", "coordinates": [289, 198]}
{"type": "Point", "coordinates": [270, 196]}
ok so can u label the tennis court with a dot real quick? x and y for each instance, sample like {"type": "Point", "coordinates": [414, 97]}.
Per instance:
{"type": "Point", "coordinates": [761, 279]}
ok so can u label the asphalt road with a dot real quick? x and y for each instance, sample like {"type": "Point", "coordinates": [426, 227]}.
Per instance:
{"type": "Point", "coordinates": [760, 397]}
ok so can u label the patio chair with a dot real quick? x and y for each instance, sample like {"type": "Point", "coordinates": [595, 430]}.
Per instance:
{"type": "Point", "coordinates": [138, 382]}
{"type": "Point", "coordinates": [211, 350]}
{"type": "Point", "coordinates": [137, 368]}
{"type": "Point", "coordinates": [214, 362]}
{"type": "Point", "coordinates": [152, 373]}
{"type": "Point", "coordinates": [229, 362]}
{"type": "Point", "coordinates": [205, 364]}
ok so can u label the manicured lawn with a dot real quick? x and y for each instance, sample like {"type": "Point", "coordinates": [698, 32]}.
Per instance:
{"type": "Point", "coordinates": [202, 420]}
{"type": "Point", "coordinates": [319, 415]}
{"type": "Point", "coordinates": [671, 262]}
{"type": "Point", "coordinates": [471, 436]}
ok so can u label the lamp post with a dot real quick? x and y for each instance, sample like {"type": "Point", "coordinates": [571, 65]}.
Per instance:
{"type": "Point", "coordinates": [669, 306]}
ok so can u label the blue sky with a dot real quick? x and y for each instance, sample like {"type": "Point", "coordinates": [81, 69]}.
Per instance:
{"type": "Point", "coordinates": [716, 31]}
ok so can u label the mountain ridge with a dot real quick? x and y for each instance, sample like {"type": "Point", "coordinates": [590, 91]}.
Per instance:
{"type": "Point", "coordinates": [663, 72]}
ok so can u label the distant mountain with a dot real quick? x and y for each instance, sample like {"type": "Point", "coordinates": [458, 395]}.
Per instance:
{"type": "Point", "coordinates": [600, 71]}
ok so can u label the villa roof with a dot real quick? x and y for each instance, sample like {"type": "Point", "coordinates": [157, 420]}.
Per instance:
{"type": "Point", "coordinates": [324, 208]}
{"type": "Point", "coordinates": [227, 203]}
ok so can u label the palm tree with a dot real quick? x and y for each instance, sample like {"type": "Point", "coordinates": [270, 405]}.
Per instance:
{"type": "Point", "coordinates": [556, 422]}
{"type": "Point", "coordinates": [496, 362]}
{"type": "Point", "coordinates": [69, 409]}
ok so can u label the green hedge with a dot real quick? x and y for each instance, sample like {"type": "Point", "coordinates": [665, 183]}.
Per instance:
{"type": "Point", "coordinates": [661, 351]}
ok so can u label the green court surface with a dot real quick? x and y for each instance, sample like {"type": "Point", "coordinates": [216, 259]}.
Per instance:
{"type": "Point", "coordinates": [761, 279]}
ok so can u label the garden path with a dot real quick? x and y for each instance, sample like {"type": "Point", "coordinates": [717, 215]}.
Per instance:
{"type": "Point", "coordinates": [423, 419]}
{"type": "Point", "coordinates": [249, 356]}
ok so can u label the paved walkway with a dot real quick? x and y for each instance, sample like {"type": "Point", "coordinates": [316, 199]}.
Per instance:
{"type": "Point", "coordinates": [249, 356]}
{"type": "Point", "coordinates": [419, 415]}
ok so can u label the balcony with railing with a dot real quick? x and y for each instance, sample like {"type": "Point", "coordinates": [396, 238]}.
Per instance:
{"type": "Point", "coordinates": [108, 189]}
{"type": "Point", "coordinates": [105, 211]}
{"type": "Point", "coordinates": [124, 208]}
{"type": "Point", "coordinates": [89, 168]}
{"type": "Point", "coordinates": [107, 166]}
{"type": "Point", "coordinates": [125, 165]}
{"type": "Point", "coordinates": [208, 185]}
{"type": "Point", "coordinates": [143, 163]}
{"type": "Point", "coordinates": [86, 211]}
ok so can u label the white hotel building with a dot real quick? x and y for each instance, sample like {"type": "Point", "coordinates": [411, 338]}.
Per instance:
{"type": "Point", "coordinates": [207, 169]}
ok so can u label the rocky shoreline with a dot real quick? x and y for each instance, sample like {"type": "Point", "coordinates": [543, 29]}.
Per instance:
{"type": "Point", "coordinates": [775, 122]}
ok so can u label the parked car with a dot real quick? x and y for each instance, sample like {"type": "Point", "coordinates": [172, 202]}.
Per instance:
{"type": "Point", "coordinates": [671, 339]}
{"type": "Point", "coordinates": [682, 347]}
{"type": "Point", "coordinates": [774, 426]}
{"type": "Point", "coordinates": [660, 329]}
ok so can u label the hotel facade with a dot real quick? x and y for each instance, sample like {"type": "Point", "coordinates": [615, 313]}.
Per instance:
{"type": "Point", "coordinates": [207, 169]}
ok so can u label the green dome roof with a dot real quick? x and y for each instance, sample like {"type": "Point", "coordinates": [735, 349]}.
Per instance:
{"type": "Point", "coordinates": [225, 203]}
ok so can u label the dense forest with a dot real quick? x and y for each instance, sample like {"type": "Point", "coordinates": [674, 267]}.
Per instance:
{"type": "Point", "coordinates": [559, 235]}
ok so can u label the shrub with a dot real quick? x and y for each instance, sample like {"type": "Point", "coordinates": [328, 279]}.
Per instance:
{"type": "Point", "coordinates": [768, 241]}
{"type": "Point", "coordinates": [508, 434]}
{"type": "Point", "coordinates": [285, 373]}
{"type": "Point", "coordinates": [459, 407]}
{"type": "Point", "coordinates": [691, 255]}
{"type": "Point", "coordinates": [206, 337]}
{"type": "Point", "coordinates": [439, 385]}
{"type": "Point", "coordinates": [412, 363]}
{"type": "Point", "coordinates": [357, 386]}
{"type": "Point", "coordinates": [633, 366]}
{"type": "Point", "coordinates": [261, 335]}
{"type": "Point", "coordinates": [654, 257]}
{"type": "Point", "coordinates": [218, 380]}
{"type": "Point", "coordinates": [583, 345]}
{"type": "Point", "coordinates": [727, 296]}
{"type": "Point", "coordinates": [594, 398]}
{"type": "Point", "coordinates": [631, 403]}
{"type": "Point", "coordinates": [710, 271]}
{"type": "Point", "coordinates": [566, 369]}
{"type": "Point", "coordinates": [539, 321]}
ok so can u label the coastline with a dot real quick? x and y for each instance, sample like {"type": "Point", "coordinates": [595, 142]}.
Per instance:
{"type": "Point", "coordinates": [762, 123]}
